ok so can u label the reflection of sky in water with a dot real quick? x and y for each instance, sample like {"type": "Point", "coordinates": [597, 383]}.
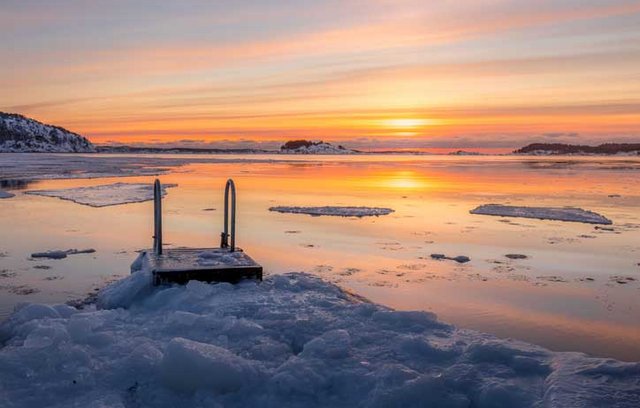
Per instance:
{"type": "Point", "coordinates": [547, 298]}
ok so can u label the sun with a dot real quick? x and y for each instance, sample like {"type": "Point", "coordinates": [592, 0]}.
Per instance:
{"type": "Point", "coordinates": [405, 123]}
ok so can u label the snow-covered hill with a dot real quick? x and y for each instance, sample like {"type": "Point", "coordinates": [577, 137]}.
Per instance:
{"type": "Point", "coordinates": [21, 134]}
{"type": "Point", "coordinates": [309, 147]}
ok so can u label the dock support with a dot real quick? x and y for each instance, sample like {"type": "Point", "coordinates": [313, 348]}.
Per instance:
{"type": "Point", "coordinates": [224, 242]}
{"type": "Point", "coordinates": [157, 217]}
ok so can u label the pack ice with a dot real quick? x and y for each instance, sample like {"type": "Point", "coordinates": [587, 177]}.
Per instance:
{"type": "Point", "coordinates": [106, 194]}
{"type": "Point", "coordinates": [571, 214]}
{"type": "Point", "coordinates": [334, 211]}
{"type": "Point", "coordinates": [290, 341]}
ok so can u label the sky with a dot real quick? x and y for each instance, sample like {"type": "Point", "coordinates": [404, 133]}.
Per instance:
{"type": "Point", "coordinates": [371, 74]}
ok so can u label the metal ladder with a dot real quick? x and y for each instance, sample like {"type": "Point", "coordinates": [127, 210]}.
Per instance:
{"type": "Point", "coordinates": [230, 187]}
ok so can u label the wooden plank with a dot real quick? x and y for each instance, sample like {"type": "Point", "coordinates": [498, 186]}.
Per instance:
{"type": "Point", "coordinates": [231, 275]}
{"type": "Point", "coordinates": [205, 264]}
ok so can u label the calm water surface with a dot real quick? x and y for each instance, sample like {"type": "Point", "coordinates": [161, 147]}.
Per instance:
{"type": "Point", "coordinates": [567, 295]}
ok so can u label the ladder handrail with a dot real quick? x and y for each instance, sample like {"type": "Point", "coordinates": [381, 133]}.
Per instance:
{"type": "Point", "coordinates": [157, 217]}
{"type": "Point", "coordinates": [224, 242]}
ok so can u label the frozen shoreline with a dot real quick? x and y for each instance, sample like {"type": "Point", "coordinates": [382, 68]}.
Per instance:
{"type": "Point", "coordinates": [293, 340]}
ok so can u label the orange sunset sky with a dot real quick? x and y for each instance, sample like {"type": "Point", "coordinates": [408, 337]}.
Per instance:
{"type": "Point", "coordinates": [486, 75]}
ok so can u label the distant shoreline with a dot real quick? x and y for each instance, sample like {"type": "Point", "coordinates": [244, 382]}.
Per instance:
{"type": "Point", "coordinates": [222, 152]}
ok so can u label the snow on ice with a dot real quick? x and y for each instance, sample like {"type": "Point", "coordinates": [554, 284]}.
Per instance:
{"type": "Point", "coordinates": [292, 340]}
{"type": "Point", "coordinates": [213, 258]}
{"type": "Point", "coordinates": [543, 213]}
{"type": "Point", "coordinates": [334, 211]}
{"type": "Point", "coordinates": [105, 195]}
{"type": "Point", "coordinates": [60, 254]}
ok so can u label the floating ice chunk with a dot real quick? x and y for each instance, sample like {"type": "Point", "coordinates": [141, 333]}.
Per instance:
{"type": "Point", "coordinates": [105, 195]}
{"type": "Point", "coordinates": [516, 256]}
{"type": "Point", "coordinates": [59, 254]}
{"type": "Point", "coordinates": [6, 194]}
{"type": "Point", "coordinates": [189, 365]}
{"type": "Point", "coordinates": [335, 211]}
{"type": "Point", "coordinates": [458, 259]}
{"type": "Point", "coordinates": [543, 213]}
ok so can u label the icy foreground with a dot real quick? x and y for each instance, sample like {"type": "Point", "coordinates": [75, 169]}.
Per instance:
{"type": "Point", "coordinates": [334, 211]}
{"type": "Point", "coordinates": [543, 213]}
{"type": "Point", "coordinates": [105, 195]}
{"type": "Point", "coordinates": [292, 340]}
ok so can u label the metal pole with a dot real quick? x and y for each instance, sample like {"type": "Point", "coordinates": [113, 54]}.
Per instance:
{"type": "Point", "coordinates": [157, 217]}
{"type": "Point", "coordinates": [233, 214]}
{"type": "Point", "coordinates": [224, 237]}
{"type": "Point", "coordinates": [224, 241]}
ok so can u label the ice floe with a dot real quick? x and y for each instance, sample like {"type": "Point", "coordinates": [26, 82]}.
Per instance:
{"type": "Point", "coordinates": [458, 259]}
{"type": "Point", "coordinates": [516, 256]}
{"type": "Point", "coordinates": [292, 340]}
{"type": "Point", "coordinates": [543, 213]}
{"type": "Point", "coordinates": [334, 211]}
{"type": "Point", "coordinates": [106, 194]}
{"type": "Point", "coordinates": [60, 254]}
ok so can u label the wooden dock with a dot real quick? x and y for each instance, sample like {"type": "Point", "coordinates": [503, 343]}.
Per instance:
{"type": "Point", "coordinates": [181, 265]}
{"type": "Point", "coordinates": [226, 263]}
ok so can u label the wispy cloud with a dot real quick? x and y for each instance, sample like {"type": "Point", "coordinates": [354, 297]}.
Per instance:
{"type": "Point", "coordinates": [336, 70]}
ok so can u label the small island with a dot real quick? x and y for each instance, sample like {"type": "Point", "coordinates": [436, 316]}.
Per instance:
{"type": "Point", "coordinates": [310, 147]}
{"type": "Point", "coordinates": [552, 149]}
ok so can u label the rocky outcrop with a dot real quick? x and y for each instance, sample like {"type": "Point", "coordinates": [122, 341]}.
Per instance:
{"type": "Point", "coordinates": [309, 147]}
{"type": "Point", "coordinates": [21, 134]}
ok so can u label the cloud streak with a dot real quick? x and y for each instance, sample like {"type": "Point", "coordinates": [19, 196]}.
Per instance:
{"type": "Point", "coordinates": [332, 70]}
